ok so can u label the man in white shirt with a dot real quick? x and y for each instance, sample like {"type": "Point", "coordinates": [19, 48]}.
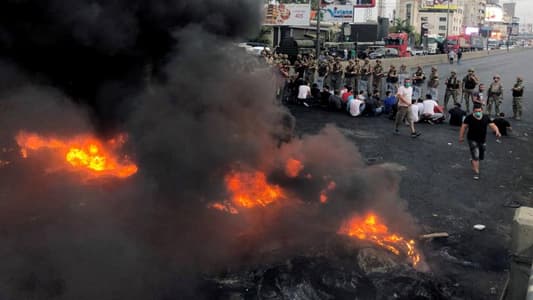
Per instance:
{"type": "Point", "coordinates": [404, 96]}
{"type": "Point", "coordinates": [414, 111]}
{"type": "Point", "coordinates": [429, 113]}
{"type": "Point", "coordinates": [304, 92]}
{"type": "Point", "coordinates": [356, 105]}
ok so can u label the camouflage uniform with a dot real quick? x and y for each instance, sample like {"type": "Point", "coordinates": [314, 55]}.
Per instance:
{"type": "Point", "coordinates": [518, 91]}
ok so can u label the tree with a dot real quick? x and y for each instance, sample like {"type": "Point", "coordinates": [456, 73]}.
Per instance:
{"type": "Point", "coordinates": [400, 25]}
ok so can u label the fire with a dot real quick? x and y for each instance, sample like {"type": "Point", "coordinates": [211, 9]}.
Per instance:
{"type": "Point", "coordinates": [248, 189]}
{"type": "Point", "coordinates": [324, 193]}
{"type": "Point", "coordinates": [293, 168]}
{"type": "Point", "coordinates": [251, 189]}
{"type": "Point", "coordinates": [370, 229]}
{"type": "Point", "coordinates": [83, 152]}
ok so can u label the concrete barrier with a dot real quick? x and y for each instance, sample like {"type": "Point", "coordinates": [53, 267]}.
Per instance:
{"type": "Point", "coordinates": [520, 282]}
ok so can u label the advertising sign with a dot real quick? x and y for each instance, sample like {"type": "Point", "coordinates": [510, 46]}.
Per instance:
{"type": "Point", "coordinates": [365, 15]}
{"type": "Point", "coordinates": [287, 12]}
{"type": "Point", "coordinates": [493, 14]}
{"type": "Point", "coordinates": [438, 4]}
{"type": "Point", "coordinates": [337, 13]}
{"type": "Point", "coordinates": [354, 3]}
{"type": "Point", "coordinates": [471, 30]}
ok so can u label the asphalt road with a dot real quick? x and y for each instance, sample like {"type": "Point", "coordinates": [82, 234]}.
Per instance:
{"type": "Point", "coordinates": [437, 180]}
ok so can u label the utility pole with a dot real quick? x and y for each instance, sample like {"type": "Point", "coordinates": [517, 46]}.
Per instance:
{"type": "Point", "coordinates": [448, 20]}
{"type": "Point", "coordinates": [317, 49]}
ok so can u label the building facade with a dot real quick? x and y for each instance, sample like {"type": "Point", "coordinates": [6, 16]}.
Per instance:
{"type": "Point", "coordinates": [474, 13]}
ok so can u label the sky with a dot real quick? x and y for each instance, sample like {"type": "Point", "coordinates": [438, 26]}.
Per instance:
{"type": "Point", "coordinates": [524, 10]}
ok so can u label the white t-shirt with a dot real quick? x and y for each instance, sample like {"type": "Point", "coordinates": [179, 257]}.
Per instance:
{"type": "Point", "coordinates": [354, 107]}
{"type": "Point", "coordinates": [407, 94]}
{"type": "Point", "coordinates": [304, 91]}
{"type": "Point", "coordinates": [429, 107]}
{"type": "Point", "coordinates": [420, 108]}
{"type": "Point", "coordinates": [413, 110]}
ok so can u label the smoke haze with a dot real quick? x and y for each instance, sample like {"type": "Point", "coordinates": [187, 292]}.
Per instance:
{"type": "Point", "coordinates": [195, 107]}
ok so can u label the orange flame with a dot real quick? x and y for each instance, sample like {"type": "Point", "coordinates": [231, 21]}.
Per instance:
{"type": "Point", "coordinates": [293, 167]}
{"type": "Point", "coordinates": [251, 189]}
{"type": "Point", "coordinates": [82, 152]}
{"type": "Point", "coordinates": [369, 229]}
{"type": "Point", "coordinates": [324, 193]}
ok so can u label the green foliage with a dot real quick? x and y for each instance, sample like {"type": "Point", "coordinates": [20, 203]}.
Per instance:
{"type": "Point", "coordinates": [400, 25]}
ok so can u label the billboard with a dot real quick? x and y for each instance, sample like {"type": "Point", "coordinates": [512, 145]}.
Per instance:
{"type": "Point", "coordinates": [365, 15]}
{"type": "Point", "coordinates": [287, 12]}
{"type": "Point", "coordinates": [354, 3]}
{"type": "Point", "coordinates": [493, 14]}
{"type": "Point", "coordinates": [472, 30]}
{"type": "Point", "coordinates": [438, 4]}
{"type": "Point", "coordinates": [337, 13]}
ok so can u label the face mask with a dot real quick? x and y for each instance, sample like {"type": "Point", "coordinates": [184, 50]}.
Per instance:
{"type": "Point", "coordinates": [478, 114]}
{"type": "Point", "coordinates": [407, 85]}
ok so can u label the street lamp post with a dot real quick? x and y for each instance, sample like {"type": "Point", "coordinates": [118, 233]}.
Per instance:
{"type": "Point", "coordinates": [448, 20]}
{"type": "Point", "coordinates": [317, 46]}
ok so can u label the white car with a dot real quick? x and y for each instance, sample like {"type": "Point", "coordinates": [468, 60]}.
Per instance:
{"type": "Point", "coordinates": [254, 48]}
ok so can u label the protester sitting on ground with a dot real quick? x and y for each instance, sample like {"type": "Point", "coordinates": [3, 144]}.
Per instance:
{"type": "Point", "coordinates": [335, 101]}
{"type": "Point", "coordinates": [457, 115]}
{"type": "Point", "coordinates": [372, 105]}
{"type": "Point", "coordinates": [432, 112]}
{"type": "Point", "coordinates": [324, 96]}
{"type": "Point", "coordinates": [304, 93]}
{"type": "Point", "coordinates": [389, 102]}
{"type": "Point", "coordinates": [502, 124]}
{"type": "Point", "coordinates": [315, 93]}
{"type": "Point", "coordinates": [414, 111]}
{"type": "Point", "coordinates": [356, 105]}
{"type": "Point", "coordinates": [346, 93]}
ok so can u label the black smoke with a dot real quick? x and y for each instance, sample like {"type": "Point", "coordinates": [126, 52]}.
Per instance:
{"type": "Point", "coordinates": [195, 107]}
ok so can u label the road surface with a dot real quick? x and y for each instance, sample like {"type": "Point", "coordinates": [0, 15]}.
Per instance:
{"type": "Point", "coordinates": [437, 180]}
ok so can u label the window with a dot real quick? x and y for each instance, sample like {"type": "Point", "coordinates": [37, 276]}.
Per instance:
{"type": "Point", "coordinates": [442, 19]}
{"type": "Point", "coordinates": [442, 27]}
{"type": "Point", "coordinates": [408, 14]}
{"type": "Point", "coordinates": [424, 19]}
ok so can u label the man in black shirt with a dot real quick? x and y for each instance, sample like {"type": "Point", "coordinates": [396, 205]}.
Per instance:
{"type": "Point", "coordinates": [477, 124]}
{"type": "Point", "coordinates": [502, 124]}
{"type": "Point", "coordinates": [457, 115]}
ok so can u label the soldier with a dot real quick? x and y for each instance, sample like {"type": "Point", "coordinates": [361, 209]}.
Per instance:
{"type": "Point", "coordinates": [453, 84]}
{"type": "Point", "coordinates": [433, 84]}
{"type": "Point", "coordinates": [323, 71]}
{"type": "Point", "coordinates": [518, 91]}
{"type": "Point", "coordinates": [311, 69]}
{"type": "Point", "coordinates": [377, 77]}
{"type": "Point", "coordinates": [469, 84]}
{"type": "Point", "coordinates": [392, 80]}
{"type": "Point", "coordinates": [349, 74]}
{"type": "Point", "coordinates": [402, 75]}
{"type": "Point", "coordinates": [495, 95]}
{"type": "Point", "coordinates": [418, 82]}
{"type": "Point", "coordinates": [300, 66]}
{"type": "Point", "coordinates": [336, 74]}
{"type": "Point", "coordinates": [357, 77]}
{"type": "Point", "coordinates": [366, 72]}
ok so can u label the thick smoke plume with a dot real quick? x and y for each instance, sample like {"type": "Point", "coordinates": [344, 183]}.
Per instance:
{"type": "Point", "coordinates": [195, 108]}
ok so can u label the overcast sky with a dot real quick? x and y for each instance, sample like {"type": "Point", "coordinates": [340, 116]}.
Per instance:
{"type": "Point", "coordinates": [524, 10]}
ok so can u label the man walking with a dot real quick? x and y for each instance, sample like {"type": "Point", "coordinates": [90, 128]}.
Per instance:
{"type": "Point", "coordinates": [476, 124]}
{"type": "Point", "coordinates": [405, 96]}
{"type": "Point", "coordinates": [518, 91]}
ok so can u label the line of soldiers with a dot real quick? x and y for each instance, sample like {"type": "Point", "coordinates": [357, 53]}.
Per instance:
{"type": "Point", "coordinates": [474, 91]}
{"type": "Point", "coordinates": [364, 76]}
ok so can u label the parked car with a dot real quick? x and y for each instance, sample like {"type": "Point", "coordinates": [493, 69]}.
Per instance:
{"type": "Point", "coordinates": [383, 53]}
{"type": "Point", "coordinates": [417, 52]}
{"type": "Point", "coordinates": [254, 48]}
